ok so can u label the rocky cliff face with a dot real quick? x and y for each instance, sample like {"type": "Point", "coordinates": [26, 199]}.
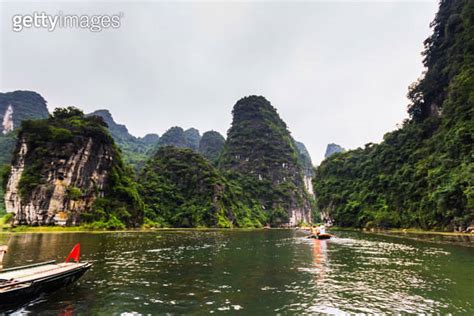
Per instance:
{"type": "Point", "coordinates": [332, 148]}
{"type": "Point", "coordinates": [61, 167]}
{"type": "Point", "coordinates": [82, 170]}
{"type": "Point", "coordinates": [260, 151]}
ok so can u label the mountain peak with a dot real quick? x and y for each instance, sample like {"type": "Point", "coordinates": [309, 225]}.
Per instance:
{"type": "Point", "coordinates": [332, 148]}
{"type": "Point", "coordinates": [260, 149]}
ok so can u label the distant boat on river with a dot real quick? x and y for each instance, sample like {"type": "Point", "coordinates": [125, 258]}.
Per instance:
{"type": "Point", "coordinates": [321, 236]}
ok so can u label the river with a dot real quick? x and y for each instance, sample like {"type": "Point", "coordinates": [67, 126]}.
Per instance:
{"type": "Point", "coordinates": [252, 272]}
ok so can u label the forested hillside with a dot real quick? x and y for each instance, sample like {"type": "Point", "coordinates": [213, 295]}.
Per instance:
{"type": "Point", "coordinates": [211, 145]}
{"type": "Point", "coordinates": [183, 189]}
{"type": "Point", "coordinates": [260, 153]}
{"type": "Point", "coordinates": [421, 175]}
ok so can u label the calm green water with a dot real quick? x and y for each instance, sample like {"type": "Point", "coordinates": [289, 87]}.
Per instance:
{"type": "Point", "coordinates": [252, 272]}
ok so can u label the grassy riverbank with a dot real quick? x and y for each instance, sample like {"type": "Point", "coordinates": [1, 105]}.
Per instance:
{"type": "Point", "coordinates": [75, 229]}
{"type": "Point", "coordinates": [5, 227]}
{"type": "Point", "coordinates": [87, 229]}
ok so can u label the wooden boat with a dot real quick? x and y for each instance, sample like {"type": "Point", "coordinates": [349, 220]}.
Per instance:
{"type": "Point", "coordinates": [321, 236]}
{"type": "Point", "coordinates": [21, 284]}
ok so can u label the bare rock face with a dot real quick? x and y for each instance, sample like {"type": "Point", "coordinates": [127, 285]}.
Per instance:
{"type": "Point", "coordinates": [7, 124]}
{"type": "Point", "coordinates": [71, 186]}
{"type": "Point", "coordinates": [62, 166]}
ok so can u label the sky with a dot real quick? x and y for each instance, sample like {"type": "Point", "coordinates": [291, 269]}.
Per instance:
{"type": "Point", "coordinates": [336, 71]}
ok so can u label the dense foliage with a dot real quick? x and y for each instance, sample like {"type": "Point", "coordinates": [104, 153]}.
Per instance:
{"type": "Point", "coordinates": [421, 175]}
{"type": "Point", "coordinates": [211, 145]}
{"type": "Point", "coordinates": [260, 154]}
{"type": "Point", "coordinates": [182, 189]}
{"type": "Point", "coordinates": [7, 144]}
{"type": "Point", "coordinates": [58, 138]}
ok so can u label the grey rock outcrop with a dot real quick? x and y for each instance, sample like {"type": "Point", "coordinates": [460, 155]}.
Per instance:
{"type": "Point", "coordinates": [332, 149]}
{"type": "Point", "coordinates": [85, 170]}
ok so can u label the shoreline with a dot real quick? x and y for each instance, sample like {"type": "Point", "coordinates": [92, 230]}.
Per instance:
{"type": "Point", "coordinates": [403, 231]}
{"type": "Point", "coordinates": [81, 229]}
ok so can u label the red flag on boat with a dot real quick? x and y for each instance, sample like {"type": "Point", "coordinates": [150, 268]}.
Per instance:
{"type": "Point", "coordinates": [75, 253]}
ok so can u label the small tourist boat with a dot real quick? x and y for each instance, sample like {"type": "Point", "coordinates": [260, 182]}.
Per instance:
{"type": "Point", "coordinates": [321, 236]}
{"type": "Point", "coordinates": [21, 284]}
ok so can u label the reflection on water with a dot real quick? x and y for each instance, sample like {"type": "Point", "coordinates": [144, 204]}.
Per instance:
{"type": "Point", "coordinates": [256, 272]}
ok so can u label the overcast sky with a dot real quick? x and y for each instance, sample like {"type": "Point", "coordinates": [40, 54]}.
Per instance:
{"type": "Point", "coordinates": [336, 71]}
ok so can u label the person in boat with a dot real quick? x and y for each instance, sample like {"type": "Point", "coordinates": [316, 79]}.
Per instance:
{"type": "Point", "coordinates": [314, 230]}
{"type": "Point", "coordinates": [322, 229]}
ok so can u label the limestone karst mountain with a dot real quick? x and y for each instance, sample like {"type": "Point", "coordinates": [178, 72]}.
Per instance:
{"type": "Point", "coordinates": [211, 145]}
{"type": "Point", "coordinates": [260, 152]}
{"type": "Point", "coordinates": [66, 170]}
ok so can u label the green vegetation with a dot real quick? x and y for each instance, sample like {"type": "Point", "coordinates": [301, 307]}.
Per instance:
{"type": "Point", "coordinates": [177, 137]}
{"type": "Point", "coordinates": [173, 137]}
{"type": "Point", "coordinates": [55, 140]}
{"type": "Point", "coordinates": [7, 145]}
{"type": "Point", "coordinates": [211, 145]}
{"type": "Point", "coordinates": [4, 173]}
{"type": "Point", "coordinates": [182, 189]}
{"type": "Point", "coordinates": [261, 155]}
{"type": "Point", "coordinates": [74, 193]}
{"type": "Point", "coordinates": [5, 220]}
{"type": "Point", "coordinates": [421, 175]}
